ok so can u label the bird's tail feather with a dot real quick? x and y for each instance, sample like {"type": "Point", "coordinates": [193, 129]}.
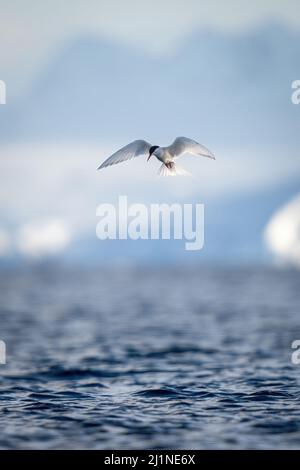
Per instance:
{"type": "Point", "coordinates": [174, 170]}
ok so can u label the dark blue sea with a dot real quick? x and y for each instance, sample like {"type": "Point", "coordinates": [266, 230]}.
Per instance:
{"type": "Point", "coordinates": [155, 358]}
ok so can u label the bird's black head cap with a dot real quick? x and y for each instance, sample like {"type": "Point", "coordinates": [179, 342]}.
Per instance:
{"type": "Point", "coordinates": [152, 149]}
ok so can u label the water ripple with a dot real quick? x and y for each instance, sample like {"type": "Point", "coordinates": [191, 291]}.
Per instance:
{"type": "Point", "coordinates": [99, 364]}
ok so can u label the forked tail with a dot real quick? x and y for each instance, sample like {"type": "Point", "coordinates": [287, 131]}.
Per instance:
{"type": "Point", "coordinates": [172, 170]}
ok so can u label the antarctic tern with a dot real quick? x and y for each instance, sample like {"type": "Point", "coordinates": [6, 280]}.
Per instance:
{"type": "Point", "coordinates": [167, 155]}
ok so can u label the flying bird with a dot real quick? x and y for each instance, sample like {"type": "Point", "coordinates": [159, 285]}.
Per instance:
{"type": "Point", "coordinates": [166, 155]}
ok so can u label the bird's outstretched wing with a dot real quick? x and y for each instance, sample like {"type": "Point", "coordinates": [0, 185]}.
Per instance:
{"type": "Point", "coordinates": [182, 145]}
{"type": "Point", "coordinates": [134, 149]}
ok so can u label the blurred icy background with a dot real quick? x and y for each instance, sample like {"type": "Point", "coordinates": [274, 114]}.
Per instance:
{"type": "Point", "coordinates": [84, 78]}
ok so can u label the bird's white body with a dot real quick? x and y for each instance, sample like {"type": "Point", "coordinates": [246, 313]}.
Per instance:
{"type": "Point", "coordinates": [166, 155]}
{"type": "Point", "coordinates": [168, 167]}
{"type": "Point", "coordinates": [162, 154]}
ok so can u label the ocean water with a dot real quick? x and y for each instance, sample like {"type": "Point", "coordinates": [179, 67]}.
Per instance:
{"type": "Point", "coordinates": [149, 359]}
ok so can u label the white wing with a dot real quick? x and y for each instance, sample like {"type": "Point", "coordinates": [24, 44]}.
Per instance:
{"type": "Point", "coordinates": [134, 149]}
{"type": "Point", "coordinates": [182, 145]}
